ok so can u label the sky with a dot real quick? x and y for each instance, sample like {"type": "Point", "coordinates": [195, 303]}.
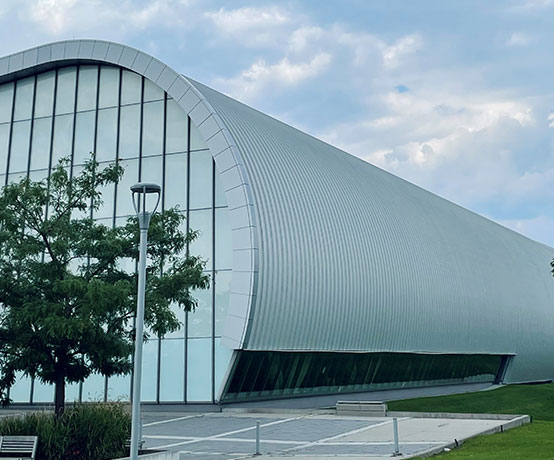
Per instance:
{"type": "Point", "coordinates": [454, 96]}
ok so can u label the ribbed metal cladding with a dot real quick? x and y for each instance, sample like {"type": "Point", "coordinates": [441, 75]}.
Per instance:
{"type": "Point", "coordinates": [352, 258]}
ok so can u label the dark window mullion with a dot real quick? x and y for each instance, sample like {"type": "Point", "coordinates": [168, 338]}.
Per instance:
{"type": "Point", "coordinates": [31, 127]}
{"type": "Point", "coordinates": [10, 134]}
{"type": "Point", "coordinates": [187, 254]}
{"type": "Point", "coordinates": [213, 279]}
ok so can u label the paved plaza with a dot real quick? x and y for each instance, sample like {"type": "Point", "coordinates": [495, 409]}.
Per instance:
{"type": "Point", "coordinates": [222, 436]}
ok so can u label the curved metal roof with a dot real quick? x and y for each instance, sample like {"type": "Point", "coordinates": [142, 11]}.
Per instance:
{"type": "Point", "coordinates": [332, 253]}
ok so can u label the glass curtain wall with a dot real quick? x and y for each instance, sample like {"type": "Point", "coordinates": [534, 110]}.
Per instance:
{"type": "Point", "coordinates": [121, 116]}
{"type": "Point", "coordinates": [267, 375]}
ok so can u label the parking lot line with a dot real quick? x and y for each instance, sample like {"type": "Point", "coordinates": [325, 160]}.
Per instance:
{"type": "Point", "coordinates": [160, 422]}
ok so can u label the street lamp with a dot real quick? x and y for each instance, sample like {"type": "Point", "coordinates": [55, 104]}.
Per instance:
{"type": "Point", "coordinates": [141, 193]}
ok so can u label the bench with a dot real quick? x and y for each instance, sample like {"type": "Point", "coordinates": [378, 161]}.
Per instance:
{"type": "Point", "coordinates": [364, 408]}
{"type": "Point", "coordinates": [18, 447]}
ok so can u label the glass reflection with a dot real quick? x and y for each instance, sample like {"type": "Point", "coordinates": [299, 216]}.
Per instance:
{"type": "Point", "coordinates": [109, 87]}
{"type": "Point", "coordinates": [86, 89]}
{"type": "Point", "coordinates": [19, 151]}
{"type": "Point", "coordinates": [65, 93]}
{"type": "Point", "coordinates": [6, 100]}
{"type": "Point", "coordinates": [44, 99]}
{"type": "Point", "coordinates": [40, 145]}
{"type": "Point", "coordinates": [24, 90]}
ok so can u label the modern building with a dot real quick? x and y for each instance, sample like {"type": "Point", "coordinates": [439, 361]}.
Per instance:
{"type": "Point", "coordinates": [328, 274]}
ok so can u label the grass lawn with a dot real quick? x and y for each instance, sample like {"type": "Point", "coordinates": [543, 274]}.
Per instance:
{"type": "Point", "coordinates": [534, 441]}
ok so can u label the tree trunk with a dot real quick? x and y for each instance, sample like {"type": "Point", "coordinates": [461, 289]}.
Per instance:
{"type": "Point", "coordinates": [59, 401]}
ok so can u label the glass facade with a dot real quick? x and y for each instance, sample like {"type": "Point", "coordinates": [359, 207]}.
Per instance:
{"type": "Point", "coordinates": [267, 375]}
{"type": "Point", "coordinates": [121, 116]}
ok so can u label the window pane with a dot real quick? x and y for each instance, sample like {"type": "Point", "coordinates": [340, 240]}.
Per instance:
{"type": "Point", "coordinates": [24, 98]}
{"type": "Point", "coordinates": [93, 388]}
{"type": "Point", "coordinates": [172, 370]}
{"type": "Point", "coordinates": [109, 87]}
{"type": "Point", "coordinates": [130, 177]}
{"type": "Point", "coordinates": [130, 87]}
{"type": "Point", "coordinates": [152, 92]}
{"type": "Point", "coordinates": [200, 320]}
{"type": "Point", "coordinates": [149, 370]}
{"type": "Point", "coordinates": [44, 100]}
{"type": "Point", "coordinates": [176, 181]}
{"type": "Point", "coordinates": [220, 199]}
{"type": "Point", "coordinates": [106, 137]}
{"type": "Point", "coordinates": [129, 131]}
{"type": "Point", "coordinates": [21, 389]}
{"type": "Point", "coordinates": [40, 148]}
{"type": "Point", "coordinates": [202, 245]}
{"type": "Point", "coordinates": [86, 90]}
{"type": "Point", "coordinates": [43, 392]}
{"type": "Point", "coordinates": [84, 137]}
{"type": "Point", "coordinates": [223, 357]}
{"type": "Point", "coordinates": [106, 209]}
{"type": "Point", "coordinates": [19, 152]}
{"type": "Point", "coordinates": [6, 100]}
{"type": "Point", "coordinates": [4, 141]}
{"type": "Point", "coordinates": [72, 392]}
{"type": "Point", "coordinates": [63, 132]}
{"type": "Point", "coordinates": [223, 240]}
{"type": "Point", "coordinates": [200, 179]}
{"type": "Point", "coordinates": [152, 133]}
{"type": "Point", "coordinates": [152, 170]}
{"type": "Point", "coordinates": [119, 388]}
{"type": "Point", "coordinates": [222, 292]}
{"type": "Point", "coordinates": [65, 93]}
{"type": "Point", "coordinates": [196, 140]}
{"type": "Point", "coordinates": [199, 370]}
{"type": "Point", "coordinates": [176, 130]}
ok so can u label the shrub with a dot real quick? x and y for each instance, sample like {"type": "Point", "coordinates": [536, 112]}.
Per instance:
{"type": "Point", "coordinates": [84, 432]}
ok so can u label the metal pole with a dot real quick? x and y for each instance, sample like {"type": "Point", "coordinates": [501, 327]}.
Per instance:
{"type": "Point", "coordinates": [395, 429]}
{"type": "Point", "coordinates": [257, 437]}
{"type": "Point", "coordinates": [139, 328]}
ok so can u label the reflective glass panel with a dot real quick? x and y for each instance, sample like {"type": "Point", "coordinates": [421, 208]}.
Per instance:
{"type": "Point", "coordinates": [106, 137]}
{"type": "Point", "coordinates": [152, 132]}
{"type": "Point", "coordinates": [220, 199]}
{"type": "Point", "coordinates": [43, 392]}
{"type": "Point", "coordinates": [150, 370]}
{"type": "Point", "coordinates": [93, 388]}
{"type": "Point", "coordinates": [202, 246]}
{"type": "Point", "coordinates": [6, 101]}
{"type": "Point", "coordinates": [65, 92]}
{"type": "Point", "coordinates": [24, 98]}
{"type": "Point", "coordinates": [200, 320]}
{"type": "Point", "coordinates": [106, 208]}
{"type": "Point", "coordinates": [152, 92]}
{"type": "Point", "coordinates": [109, 87]}
{"type": "Point", "coordinates": [131, 87]}
{"type": "Point", "coordinates": [72, 392]}
{"type": "Point", "coordinates": [86, 89]}
{"type": "Point", "coordinates": [176, 129]}
{"type": "Point", "coordinates": [19, 153]}
{"type": "Point", "coordinates": [222, 292]}
{"type": "Point", "coordinates": [152, 170]}
{"type": "Point", "coordinates": [4, 144]}
{"type": "Point", "coordinates": [130, 177]}
{"type": "Point", "coordinates": [172, 372]}
{"type": "Point", "coordinates": [197, 142]}
{"type": "Point", "coordinates": [223, 357]}
{"type": "Point", "coordinates": [199, 370]}
{"type": "Point", "coordinates": [21, 390]}
{"type": "Point", "coordinates": [119, 388]}
{"type": "Point", "coordinates": [63, 133]}
{"type": "Point", "coordinates": [176, 181]}
{"type": "Point", "coordinates": [44, 99]}
{"type": "Point", "coordinates": [223, 240]}
{"type": "Point", "coordinates": [84, 137]}
{"type": "Point", "coordinates": [201, 164]}
{"type": "Point", "coordinates": [129, 131]}
{"type": "Point", "coordinates": [40, 147]}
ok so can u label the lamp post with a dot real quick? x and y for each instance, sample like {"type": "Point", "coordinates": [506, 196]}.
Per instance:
{"type": "Point", "coordinates": [140, 193]}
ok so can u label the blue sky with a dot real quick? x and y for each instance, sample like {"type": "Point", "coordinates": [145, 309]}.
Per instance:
{"type": "Point", "coordinates": [455, 96]}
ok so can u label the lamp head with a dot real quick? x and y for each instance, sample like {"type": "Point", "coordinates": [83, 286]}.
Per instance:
{"type": "Point", "coordinates": [143, 195]}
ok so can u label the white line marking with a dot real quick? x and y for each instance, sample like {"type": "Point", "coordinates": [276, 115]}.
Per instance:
{"type": "Point", "coordinates": [221, 435]}
{"type": "Point", "coordinates": [160, 422]}
{"type": "Point", "coordinates": [347, 433]}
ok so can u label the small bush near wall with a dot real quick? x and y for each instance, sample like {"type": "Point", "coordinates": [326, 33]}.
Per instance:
{"type": "Point", "coordinates": [84, 432]}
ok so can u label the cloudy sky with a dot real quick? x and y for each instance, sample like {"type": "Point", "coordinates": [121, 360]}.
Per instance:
{"type": "Point", "coordinates": [455, 96]}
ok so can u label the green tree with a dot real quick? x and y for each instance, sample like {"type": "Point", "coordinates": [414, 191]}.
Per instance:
{"type": "Point", "coordinates": [67, 303]}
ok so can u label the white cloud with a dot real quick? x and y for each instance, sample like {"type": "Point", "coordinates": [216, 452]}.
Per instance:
{"type": "Point", "coordinates": [519, 39]}
{"type": "Point", "coordinates": [259, 75]}
{"type": "Point", "coordinates": [393, 54]}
